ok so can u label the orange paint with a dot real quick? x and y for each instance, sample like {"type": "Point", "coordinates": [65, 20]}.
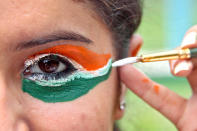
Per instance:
{"type": "Point", "coordinates": [156, 89]}
{"type": "Point", "coordinates": [88, 59]}
{"type": "Point", "coordinates": [135, 51]}
{"type": "Point", "coordinates": [145, 80]}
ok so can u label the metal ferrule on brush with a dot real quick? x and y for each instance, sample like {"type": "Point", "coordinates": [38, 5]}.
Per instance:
{"type": "Point", "coordinates": [168, 55]}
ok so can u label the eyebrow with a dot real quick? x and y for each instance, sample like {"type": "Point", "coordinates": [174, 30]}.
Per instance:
{"type": "Point", "coordinates": [56, 36]}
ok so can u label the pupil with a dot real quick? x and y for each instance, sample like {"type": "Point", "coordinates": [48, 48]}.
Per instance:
{"type": "Point", "coordinates": [48, 65]}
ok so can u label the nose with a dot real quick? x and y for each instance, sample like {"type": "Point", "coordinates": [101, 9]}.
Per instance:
{"type": "Point", "coordinates": [10, 111]}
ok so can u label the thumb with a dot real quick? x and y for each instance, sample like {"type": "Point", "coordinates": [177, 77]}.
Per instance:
{"type": "Point", "coordinates": [159, 97]}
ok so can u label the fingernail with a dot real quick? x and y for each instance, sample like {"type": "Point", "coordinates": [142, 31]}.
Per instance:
{"type": "Point", "coordinates": [189, 39]}
{"type": "Point", "coordinates": [182, 66]}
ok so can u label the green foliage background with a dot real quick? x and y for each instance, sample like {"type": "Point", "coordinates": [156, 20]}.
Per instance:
{"type": "Point", "coordinates": [139, 116]}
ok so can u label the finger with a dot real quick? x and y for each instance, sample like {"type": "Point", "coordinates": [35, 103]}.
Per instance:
{"type": "Point", "coordinates": [162, 99]}
{"type": "Point", "coordinates": [184, 67]}
{"type": "Point", "coordinates": [190, 42]}
{"type": "Point", "coordinates": [181, 68]}
{"type": "Point", "coordinates": [135, 44]}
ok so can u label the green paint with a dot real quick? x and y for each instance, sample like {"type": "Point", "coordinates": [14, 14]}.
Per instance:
{"type": "Point", "coordinates": [69, 91]}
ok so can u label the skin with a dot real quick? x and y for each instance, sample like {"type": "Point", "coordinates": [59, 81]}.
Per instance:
{"type": "Point", "coordinates": [23, 20]}
{"type": "Point", "coordinates": [180, 111]}
{"type": "Point", "coordinates": [26, 20]}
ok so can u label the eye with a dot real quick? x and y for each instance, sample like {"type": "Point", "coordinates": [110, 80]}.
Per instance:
{"type": "Point", "coordinates": [49, 64]}
{"type": "Point", "coordinates": [48, 67]}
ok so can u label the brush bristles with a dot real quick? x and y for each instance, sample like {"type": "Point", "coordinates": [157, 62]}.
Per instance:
{"type": "Point", "coordinates": [125, 61]}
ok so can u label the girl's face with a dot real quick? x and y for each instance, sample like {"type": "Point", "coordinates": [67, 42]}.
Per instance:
{"type": "Point", "coordinates": [33, 28]}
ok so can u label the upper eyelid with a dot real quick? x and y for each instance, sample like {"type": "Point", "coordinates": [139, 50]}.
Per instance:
{"type": "Point", "coordinates": [30, 61]}
{"type": "Point", "coordinates": [33, 61]}
{"type": "Point", "coordinates": [86, 58]}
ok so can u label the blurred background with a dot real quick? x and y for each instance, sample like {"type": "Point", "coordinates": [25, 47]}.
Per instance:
{"type": "Point", "coordinates": [163, 26]}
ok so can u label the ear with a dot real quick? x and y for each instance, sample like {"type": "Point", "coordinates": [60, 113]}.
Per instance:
{"type": "Point", "coordinates": [135, 45]}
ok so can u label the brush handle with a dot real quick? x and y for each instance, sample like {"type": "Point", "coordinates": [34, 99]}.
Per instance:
{"type": "Point", "coordinates": [180, 54]}
{"type": "Point", "coordinates": [193, 52]}
{"type": "Point", "coordinates": [169, 55]}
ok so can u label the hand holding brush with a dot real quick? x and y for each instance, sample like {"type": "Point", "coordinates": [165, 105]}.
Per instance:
{"type": "Point", "coordinates": [179, 110]}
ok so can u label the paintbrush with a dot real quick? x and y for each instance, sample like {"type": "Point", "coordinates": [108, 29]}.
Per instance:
{"type": "Point", "coordinates": [180, 54]}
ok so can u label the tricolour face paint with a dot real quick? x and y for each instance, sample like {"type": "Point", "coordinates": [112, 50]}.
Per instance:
{"type": "Point", "coordinates": [78, 71]}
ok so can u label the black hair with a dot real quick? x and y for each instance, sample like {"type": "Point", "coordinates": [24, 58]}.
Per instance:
{"type": "Point", "coordinates": [122, 17]}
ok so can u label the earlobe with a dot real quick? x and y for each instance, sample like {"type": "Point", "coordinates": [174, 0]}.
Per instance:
{"type": "Point", "coordinates": [135, 45]}
{"type": "Point", "coordinates": [120, 109]}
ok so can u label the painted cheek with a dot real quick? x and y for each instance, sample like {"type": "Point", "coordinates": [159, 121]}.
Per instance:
{"type": "Point", "coordinates": [67, 92]}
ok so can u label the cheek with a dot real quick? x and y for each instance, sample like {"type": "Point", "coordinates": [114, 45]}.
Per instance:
{"type": "Point", "coordinates": [91, 112]}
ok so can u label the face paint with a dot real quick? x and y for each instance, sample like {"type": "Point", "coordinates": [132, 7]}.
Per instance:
{"type": "Point", "coordinates": [145, 80]}
{"type": "Point", "coordinates": [156, 89]}
{"type": "Point", "coordinates": [78, 71]}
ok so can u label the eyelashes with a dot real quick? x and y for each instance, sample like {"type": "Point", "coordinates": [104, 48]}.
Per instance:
{"type": "Point", "coordinates": [49, 67]}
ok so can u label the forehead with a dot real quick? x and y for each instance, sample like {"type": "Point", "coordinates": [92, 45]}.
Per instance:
{"type": "Point", "coordinates": [33, 5]}
{"type": "Point", "coordinates": [31, 18]}
{"type": "Point", "coordinates": [41, 13]}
